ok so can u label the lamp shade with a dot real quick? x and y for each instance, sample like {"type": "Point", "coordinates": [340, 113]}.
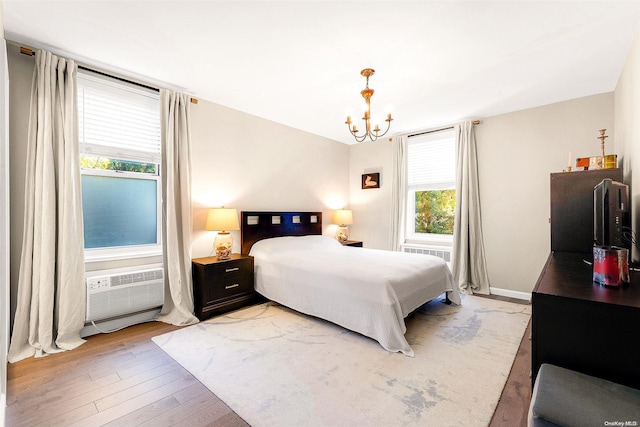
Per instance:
{"type": "Point", "coordinates": [343, 217]}
{"type": "Point", "coordinates": [222, 219]}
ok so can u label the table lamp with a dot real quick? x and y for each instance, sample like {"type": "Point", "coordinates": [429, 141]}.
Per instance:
{"type": "Point", "coordinates": [343, 217]}
{"type": "Point", "coordinates": [222, 220]}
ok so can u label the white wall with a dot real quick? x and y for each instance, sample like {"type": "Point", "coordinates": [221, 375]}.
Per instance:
{"type": "Point", "coordinates": [516, 154]}
{"type": "Point", "coordinates": [371, 207]}
{"type": "Point", "coordinates": [627, 126]}
{"type": "Point", "coordinates": [20, 75]}
{"type": "Point", "coordinates": [249, 163]}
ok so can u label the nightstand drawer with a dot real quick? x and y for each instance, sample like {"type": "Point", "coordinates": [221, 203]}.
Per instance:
{"type": "Point", "coordinates": [229, 270]}
{"type": "Point", "coordinates": [228, 285]}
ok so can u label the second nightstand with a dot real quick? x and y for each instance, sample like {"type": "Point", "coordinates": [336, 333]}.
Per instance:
{"type": "Point", "coordinates": [220, 286]}
{"type": "Point", "coordinates": [354, 243]}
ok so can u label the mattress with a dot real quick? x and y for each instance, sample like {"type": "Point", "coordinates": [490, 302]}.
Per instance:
{"type": "Point", "coordinates": [368, 291]}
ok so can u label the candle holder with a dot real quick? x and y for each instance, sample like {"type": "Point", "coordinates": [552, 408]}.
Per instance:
{"type": "Point", "coordinates": [602, 137]}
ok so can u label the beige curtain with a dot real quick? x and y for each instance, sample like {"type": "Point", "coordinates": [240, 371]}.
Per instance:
{"type": "Point", "coordinates": [51, 301]}
{"type": "Point", "coordinates": [468, 262]}
{"type": "Point", "coordinates": [398, 192]}
{"type": "Point", "coordinates": [176, 208]}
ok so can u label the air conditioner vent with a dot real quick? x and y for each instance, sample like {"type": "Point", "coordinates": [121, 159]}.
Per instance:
{"type": "Point", "coordinates": [112, 293]}
{"type": "Point", "coordinates": [439, 251]}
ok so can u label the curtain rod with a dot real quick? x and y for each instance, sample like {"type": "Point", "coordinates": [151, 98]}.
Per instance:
{"type": "Point", "coordinates": [30, 52]}
{"type": "Point", "coordinates": [475, 122]}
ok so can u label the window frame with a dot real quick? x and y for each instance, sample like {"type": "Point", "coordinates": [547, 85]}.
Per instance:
{"type": "Point", "coordinates": [113, 253]}
{"type": "Point", "coordinates": [411, 236]}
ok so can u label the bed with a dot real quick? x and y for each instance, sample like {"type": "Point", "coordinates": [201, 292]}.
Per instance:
{"type": "Point", "coordinates": [368, 291]}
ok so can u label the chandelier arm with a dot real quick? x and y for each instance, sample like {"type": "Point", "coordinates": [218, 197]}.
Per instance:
{"type": "Point", "coordinates": [359, 138]}
{"type": "Point", "coordinates": [387, 130]}
{"type": "Point", "coordinates": [372, 135]}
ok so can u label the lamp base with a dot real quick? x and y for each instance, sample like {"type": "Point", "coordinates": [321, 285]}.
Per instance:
{"type": "Point", "coordinates": [342, 234]}
{"type": "Point", "coordinates": [223, 245]}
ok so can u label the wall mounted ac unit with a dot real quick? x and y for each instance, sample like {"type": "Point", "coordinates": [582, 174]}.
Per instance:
{"type": "Point", "coordinates": [117, 292]}
{"type": "Point", "coordinates": [443, 252]}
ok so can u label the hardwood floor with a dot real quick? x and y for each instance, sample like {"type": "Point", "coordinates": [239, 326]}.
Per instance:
{"type": "Point", "coordinates": [124, 379]}
{"type": "Point", "coordinates": [118, 379]}
{"type": "Point", "coordinates": [513, 407]}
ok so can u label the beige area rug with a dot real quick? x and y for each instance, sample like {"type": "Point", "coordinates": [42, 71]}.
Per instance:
{"type": "Point", "coordinates": [276, 367]}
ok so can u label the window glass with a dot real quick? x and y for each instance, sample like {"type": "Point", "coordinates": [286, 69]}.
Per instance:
{"type": "Point", "coordinates": [435, 211]}
{"type": "Point", "coordinates": [119, 211]}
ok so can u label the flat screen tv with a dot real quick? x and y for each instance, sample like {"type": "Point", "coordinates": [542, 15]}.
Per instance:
{"type": "Point", "coordinates": [610, 213]}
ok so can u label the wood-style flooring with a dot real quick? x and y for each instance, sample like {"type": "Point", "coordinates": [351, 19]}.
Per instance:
{"type": "Point", "coordinates": [124, 379]}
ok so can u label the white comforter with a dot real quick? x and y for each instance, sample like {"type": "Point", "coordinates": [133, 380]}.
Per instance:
{"type": "Point", "coordinates": [365, 290]}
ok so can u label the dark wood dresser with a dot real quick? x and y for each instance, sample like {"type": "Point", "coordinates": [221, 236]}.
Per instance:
{"type": "Point", "coordinates": [221, 286]}
{"type": "Point", "coordinates": [572, 208]}
{"type": "Point", "coordinates": [583, 326]}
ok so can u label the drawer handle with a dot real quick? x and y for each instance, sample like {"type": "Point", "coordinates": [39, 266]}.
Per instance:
{"type": "Point", "coordinates": [232, 286]}
{"type": "Point", "coordinates": [229, 270]}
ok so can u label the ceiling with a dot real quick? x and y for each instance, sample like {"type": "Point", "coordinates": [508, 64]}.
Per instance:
{"type": "Point", "coordinates": [298, 62]}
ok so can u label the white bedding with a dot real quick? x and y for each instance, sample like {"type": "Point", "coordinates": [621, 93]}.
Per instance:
{"type": "Point", "coordinates": [368, 291]}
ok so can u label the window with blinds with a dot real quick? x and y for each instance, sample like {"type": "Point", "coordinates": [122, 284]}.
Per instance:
{"type": "Point", "coordinates": [119, 136]}
{"type": "Point", "coordinates": [118, 120]}
{"type": "Point", "coordinates": [431, 176]}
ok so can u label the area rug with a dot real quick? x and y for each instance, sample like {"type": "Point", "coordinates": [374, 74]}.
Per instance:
{"type": "Point", "coordinates": [276, 367]}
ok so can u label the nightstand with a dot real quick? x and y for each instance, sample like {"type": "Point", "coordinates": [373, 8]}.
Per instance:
{"type": "Point", "coordinates": [221, 286]}
{"type": "Point", "coordinates": [354, 243]}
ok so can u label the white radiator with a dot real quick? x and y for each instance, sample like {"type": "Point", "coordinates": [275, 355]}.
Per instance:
{"type": "Point", "coordinates": [117, 292]}
{"type": "Point", "coordinates": [443, 252]}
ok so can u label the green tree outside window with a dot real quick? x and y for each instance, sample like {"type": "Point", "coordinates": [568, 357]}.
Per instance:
{"type": "Point", "coordinates": [435, 211]}
{"type": "Point", "coordinates": [105, 163]}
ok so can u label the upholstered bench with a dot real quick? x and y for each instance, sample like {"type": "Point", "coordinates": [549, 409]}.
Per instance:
{"type": "Point", "coordinates": [562, 397]}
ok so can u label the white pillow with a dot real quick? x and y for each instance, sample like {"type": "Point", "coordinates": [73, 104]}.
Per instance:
{"type": "Point", "coordinates": [291, 243]}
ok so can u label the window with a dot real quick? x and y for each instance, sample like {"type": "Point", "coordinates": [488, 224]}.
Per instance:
{"type": "Point", "coordinates": [431, 197]}
{"type": "Point", "coordinates": [119, 133]}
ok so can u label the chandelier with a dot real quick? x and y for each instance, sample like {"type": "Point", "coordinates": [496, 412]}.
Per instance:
{"type": "Point", "coordinates": [374, 133]}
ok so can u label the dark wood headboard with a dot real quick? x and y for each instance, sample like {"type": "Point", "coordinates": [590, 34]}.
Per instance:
{"type": "Point", "coordinates": [263, 225]}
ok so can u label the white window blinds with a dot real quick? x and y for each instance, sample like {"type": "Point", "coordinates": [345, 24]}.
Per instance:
{"type": "Point", "coordinates": [118, 120]}
{"type": "Point", "coordinates": [431, 160]}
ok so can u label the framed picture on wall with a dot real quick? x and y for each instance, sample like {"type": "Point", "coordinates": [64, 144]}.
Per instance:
{"type": "Point", "coordinates": [370, 180]}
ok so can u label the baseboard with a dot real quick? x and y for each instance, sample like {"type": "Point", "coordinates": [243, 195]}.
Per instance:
{"type": "Point", "coordinates": [526, 296]}
{"type": "Point", "coordinates": [112, 325]}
